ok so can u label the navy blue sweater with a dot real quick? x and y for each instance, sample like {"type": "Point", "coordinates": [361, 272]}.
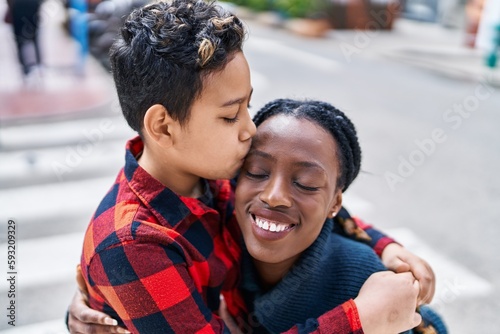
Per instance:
{"type": "Point", "coordinates": [328, 273]}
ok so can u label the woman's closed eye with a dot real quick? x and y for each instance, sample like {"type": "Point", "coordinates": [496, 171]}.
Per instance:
{"type": "Point", "coordinates": [307, 188]}
{"type": "Point", "coordinates": [256, 175]}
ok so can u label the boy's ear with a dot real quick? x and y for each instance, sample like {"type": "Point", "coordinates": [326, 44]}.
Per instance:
{"type": "Point", "coordinates": [159, 126]}
{"type": "Point", "coordinates": [336, 205]}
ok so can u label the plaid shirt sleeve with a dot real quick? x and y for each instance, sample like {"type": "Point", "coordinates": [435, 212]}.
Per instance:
{"type": "Point", "coordinates": [378, 239]}
{"type": "Point", "coordinates": [147, 281]}
{"type": "Point", "coordinates": [344, 319]}
{"type": "Point", "coordinates": [353, 227]}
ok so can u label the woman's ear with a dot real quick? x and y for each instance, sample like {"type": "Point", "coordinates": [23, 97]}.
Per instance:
{"type": "Point", "coordinates": [336, 205]}
{"type": "Point", "coordinates": [159, 126]}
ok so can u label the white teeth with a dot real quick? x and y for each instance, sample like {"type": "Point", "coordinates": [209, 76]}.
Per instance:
{"type": "Point", "coordinates": [270, 226]}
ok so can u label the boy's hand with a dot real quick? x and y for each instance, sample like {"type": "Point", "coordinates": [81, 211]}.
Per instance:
{"type": "Point", "coordinates": [398, 259]}
{"type": "Point", "coordinates": [84, 320]}
{"type": "Point", "coordinates": [387, 303]}
{"type": "Point", "coordinates": [228, 319]}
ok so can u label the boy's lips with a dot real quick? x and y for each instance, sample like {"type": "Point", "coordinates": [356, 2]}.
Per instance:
{"type": "Point", "coordinates": [270, 229]}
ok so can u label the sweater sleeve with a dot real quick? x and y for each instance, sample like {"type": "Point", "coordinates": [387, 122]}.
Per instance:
{"type": "Point", "coordinates": [344, 319]}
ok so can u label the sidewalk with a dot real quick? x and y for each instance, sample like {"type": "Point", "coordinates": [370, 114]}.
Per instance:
{"type": "Point", "coordinates": [429, 46]}
{"type": "Point", "coordinates": [57, 91]}
{"type": "Point", "coordinates": [434, 48]}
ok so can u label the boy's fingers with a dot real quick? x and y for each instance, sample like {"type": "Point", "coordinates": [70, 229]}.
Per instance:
{"type": "Point", "coordinates": [427, 283]}
{"type": "Point", "coordinates": [110, 321]}
{"type": "Point", "coordinates": [98, 329]}
{"type": "Point", "coordinates": [397, 265]}
{"type": "Point", "coordinates": [91, 316]}
{"type": "Point", "coordinates": [81, 282]}
{"type": "Point", "coordinates": [76, 326]}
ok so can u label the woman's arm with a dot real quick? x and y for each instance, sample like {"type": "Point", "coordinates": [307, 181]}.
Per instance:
{"type": "Point", "coordinates": [393, 255]}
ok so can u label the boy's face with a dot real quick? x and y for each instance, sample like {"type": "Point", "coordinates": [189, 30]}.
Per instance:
{"type": "Point", "coordinates": [217, 136]}
{"type": "Point", "coordinates": [286, 188]}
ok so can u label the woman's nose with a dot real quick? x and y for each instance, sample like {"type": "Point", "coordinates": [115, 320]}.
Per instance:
{"type": "Point", "coordinates": [276, 193]}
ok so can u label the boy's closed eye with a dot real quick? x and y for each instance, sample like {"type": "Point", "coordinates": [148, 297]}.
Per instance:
{"type": "Point", "coordinates": [234, 118]}
{"type": "Point", "coordinates": [231, 120]}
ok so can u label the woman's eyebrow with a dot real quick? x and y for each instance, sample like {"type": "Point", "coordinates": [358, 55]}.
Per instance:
{"type": "Point", "coordinates": [309, 164]}
{"type": "Point", "coordinates": [261, 154]}
{"type": "Point", "coordinates": [306, 164]}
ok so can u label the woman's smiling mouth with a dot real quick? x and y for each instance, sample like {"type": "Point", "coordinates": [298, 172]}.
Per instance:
{"type": "Point", "coordinates": [270, 229]}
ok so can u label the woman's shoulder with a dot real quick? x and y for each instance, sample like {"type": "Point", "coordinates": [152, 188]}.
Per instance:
{"type": "Point", "coordinates": [347, 252]}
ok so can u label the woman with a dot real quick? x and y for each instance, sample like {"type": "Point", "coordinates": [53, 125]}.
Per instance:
{"type": "Point", "coordinates": [304, 156]}
{"type": "Point", "coordinates": [298, 266]}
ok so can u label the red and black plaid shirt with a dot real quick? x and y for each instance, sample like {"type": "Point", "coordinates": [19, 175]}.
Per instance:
{"type": "Point", "coordinates": [159, 262]}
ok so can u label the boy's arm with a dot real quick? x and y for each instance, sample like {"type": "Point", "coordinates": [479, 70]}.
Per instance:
{"type": "Point", "coordinates": [386, 304]}
{"type": "Point", "coordinates": [354, 228]}
{"type": "Point", "coordinates": [150, 288]}
{"type": "Point", "coordinates": [393, 255]}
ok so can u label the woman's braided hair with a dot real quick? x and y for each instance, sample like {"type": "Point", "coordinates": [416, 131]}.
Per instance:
{"type": "Point", "coordinates": [329, 118]}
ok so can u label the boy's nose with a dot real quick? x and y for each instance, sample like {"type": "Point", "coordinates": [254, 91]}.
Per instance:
{"type": "Point", "coordinates": [276, 194]}
{"type": "Point", "coordinates": [249, 129]}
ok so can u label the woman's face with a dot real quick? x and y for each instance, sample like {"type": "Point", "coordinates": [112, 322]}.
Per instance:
{"type": "Point", "coordinates": [287, 188]}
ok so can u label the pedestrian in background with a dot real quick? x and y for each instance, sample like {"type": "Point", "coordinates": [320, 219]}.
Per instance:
{"type": "Point", "coordinates": [25, 18]}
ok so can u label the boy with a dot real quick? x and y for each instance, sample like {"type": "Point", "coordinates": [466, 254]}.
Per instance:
{"type": "Point", "coordinates": [158, 250]}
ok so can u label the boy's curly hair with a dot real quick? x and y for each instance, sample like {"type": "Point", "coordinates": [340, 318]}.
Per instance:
{"type": "Point", "coordinates": [165, 50]}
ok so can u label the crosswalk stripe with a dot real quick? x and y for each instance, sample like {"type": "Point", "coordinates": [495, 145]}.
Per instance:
{"type": "Point", "coordinates": [453, 280]}
{"type": "Point", "coordinates": [52, 200]}
{"type": "Point", "coordinates": [73, 131]}
{"type": "Point", "coordinates": [27, 167]}
{"type": "Point", "coordinates": [47, 327]}
{"type": "Point", "coordinates": [45, 260]}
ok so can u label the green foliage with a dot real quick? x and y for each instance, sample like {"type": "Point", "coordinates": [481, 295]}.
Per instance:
{"type": "Point", "coordinates": [300, 8]}
{"type": "Point", "coordinates": [288, 8]}
{"type": "Point", "coordinates": [257, 5]}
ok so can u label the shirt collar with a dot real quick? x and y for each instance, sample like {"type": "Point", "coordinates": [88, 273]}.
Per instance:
{"type": "Point", "coordinates": [168, 207]}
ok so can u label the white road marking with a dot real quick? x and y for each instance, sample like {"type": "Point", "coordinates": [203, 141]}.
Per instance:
{"type": "Point", "coordinates": [92, 130]}
{"type": "Point", "coordinates": [47, 327]}
{"type": "Point", "coordinates": [59, 163]}
{"type": "Point", "coordinates": [453, 280]}
{"type": "Point", "coordinates": [45, 260]}
{"type": "Point", "coordinates": [52, 200]}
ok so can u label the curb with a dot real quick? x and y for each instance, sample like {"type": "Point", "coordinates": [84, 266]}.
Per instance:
{"type": "Point", "coordinates": [89, 96]}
